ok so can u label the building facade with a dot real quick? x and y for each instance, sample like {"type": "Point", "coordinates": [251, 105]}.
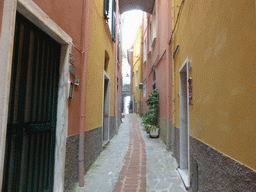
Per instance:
{"type": "Point", "coordinates": [60, 90]}
{"type": "Point", "coordinates": [156, 63]}
{"type": "Point", "coordinates": [136, 73]}
{"type": "Point", "coordinates": [198, 68]}
{"type": "Point", "coordinates": [213, 113]}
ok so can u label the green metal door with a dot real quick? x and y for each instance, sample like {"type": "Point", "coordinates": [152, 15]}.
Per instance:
{"type": "Point", "coordinates": [30, 141]}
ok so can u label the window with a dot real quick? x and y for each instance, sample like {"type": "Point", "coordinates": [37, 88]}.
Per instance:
{"type": "Point", "coordinates": [145, 50]}
{"type": "Point", "coordinates": [154, 80]}
{"type": "Point", "coordinates": [144, 91]}
{"type": "Point", "coordinates": [110, 16]}
{"type": "Point", "coordinates": [150, 36]}
{"type": "Point", "coordinates": [153, 27]}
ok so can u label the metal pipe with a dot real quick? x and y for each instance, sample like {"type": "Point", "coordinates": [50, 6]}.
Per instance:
{"type": "Point", "coordinates": [168, 87]}
{"type": "Point", "coordinates": [85, 45]}
{"type": "Point", "coordinates": [116, 75]}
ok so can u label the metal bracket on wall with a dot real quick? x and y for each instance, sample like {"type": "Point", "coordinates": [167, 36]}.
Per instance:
{"type": "Point", "coordinates": [72, 86]}
{"type": "Point", "coordinates": [72, 71]}
{"type": "Point", "coordinates": [176, 50]}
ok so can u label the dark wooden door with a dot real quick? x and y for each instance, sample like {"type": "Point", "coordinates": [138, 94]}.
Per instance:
{"type": "Point", "coordinates": [30, 141]}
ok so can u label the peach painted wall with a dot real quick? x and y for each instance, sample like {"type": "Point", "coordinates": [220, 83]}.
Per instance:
{"type": "Point", "coordinates": [158, 58]}
{"type": "Point", "coordinates": [144, 67]}
{"type": "Point", "coordinates": [68, 15]}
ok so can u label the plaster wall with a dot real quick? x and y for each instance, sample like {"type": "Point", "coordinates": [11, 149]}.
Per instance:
{"type": "Point", "coordinates": [157, 56]}
{"type": "Point", "coordinates": [163, 20]}
{"type": "Point", "coordinates": [68, 15]}
{"type": "Point", "coordinates": [145, 68]}
{"type": "Point", "coordinates": [100, 42]}
{"type": "Point", "coordinates": [161, 82]}
{"type": "Point", "coordinates": [137, 68]}
{"type": "Point", "coordinates": [219, 38]}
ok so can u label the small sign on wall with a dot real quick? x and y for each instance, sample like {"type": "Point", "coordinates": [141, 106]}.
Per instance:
{"type": "Point", "coordinates": [190, 93]}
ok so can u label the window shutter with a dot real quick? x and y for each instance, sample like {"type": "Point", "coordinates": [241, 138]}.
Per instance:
{"type": "Point", "coordinates": [114, 20]}
{"type": "Point", "coordinates": [106, 9]}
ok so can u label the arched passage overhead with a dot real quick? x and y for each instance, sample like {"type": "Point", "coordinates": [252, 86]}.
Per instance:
{"type": "Point", "coordinates": [144, 5]}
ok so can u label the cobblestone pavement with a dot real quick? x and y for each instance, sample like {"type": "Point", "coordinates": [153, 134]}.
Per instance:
{"type": "Point", "coordinates": [133, 174]}
{"type": "Point", "coordinates": [162, 175]}
{"type": "Point", "coordinates": [107, 174]}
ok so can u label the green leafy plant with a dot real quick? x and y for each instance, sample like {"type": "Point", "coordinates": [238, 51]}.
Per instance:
{"type": "Point", "coordinates": [152, 127]}
{"type": "Point", "coordinates": [153, 103]}
{"type": "Point", "coordinates": [150, 120]}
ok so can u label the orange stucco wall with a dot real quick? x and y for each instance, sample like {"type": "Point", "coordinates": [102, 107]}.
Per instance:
{"type": "Point", "coordinates": [68, 15]}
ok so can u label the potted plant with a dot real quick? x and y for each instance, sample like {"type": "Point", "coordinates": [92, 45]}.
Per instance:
{"type": "Point", "coordinates": [146, 122]}
{"type": "Point", "coordinates": [150, 121]}
{"type": "Point", "coordinates": [154, 131]}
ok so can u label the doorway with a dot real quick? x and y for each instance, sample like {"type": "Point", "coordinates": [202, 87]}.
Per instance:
{"type": "Point", "coordinates": [31, 129]}
{"type": "Point", "coordinates": [184, 169]}
{"type": "Point", "coordinates": [106, 109]}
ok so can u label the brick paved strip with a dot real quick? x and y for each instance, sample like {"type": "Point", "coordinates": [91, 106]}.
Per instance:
{"type": "Point", "coordinates": [133, 174]}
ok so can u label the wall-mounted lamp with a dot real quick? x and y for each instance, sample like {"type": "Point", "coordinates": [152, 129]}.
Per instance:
{"type": "Point", "coordinates": [72, 71]}
{"type": "Point", "coordinates": [72, 86]}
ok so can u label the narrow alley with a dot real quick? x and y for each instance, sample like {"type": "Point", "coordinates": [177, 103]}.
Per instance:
{"type": "Point", "coordinates": [127, 95]}
{"type": "Point", "coordinates": [132, 161]}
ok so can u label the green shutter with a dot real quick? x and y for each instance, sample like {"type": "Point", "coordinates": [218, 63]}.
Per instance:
{"type": "Point", "coordinates": [106, 9]}
{"type": "Point", "coordinates": [114, 20]}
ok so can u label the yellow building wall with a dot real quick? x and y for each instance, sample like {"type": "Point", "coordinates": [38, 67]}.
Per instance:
{"type": "Point", "coordinates": [137, 67]}
{"type": "Point", "coordinates": [100, 41]}
{"type": "Point", "coordinates": [219, 38]}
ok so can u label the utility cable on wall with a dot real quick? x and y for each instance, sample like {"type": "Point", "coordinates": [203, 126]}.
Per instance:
{"type": "Point", "coordinates": [178, 16]}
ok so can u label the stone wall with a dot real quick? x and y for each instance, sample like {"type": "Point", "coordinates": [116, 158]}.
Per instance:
{"type": "Point", "coordinates": [213, 171]}
{"type": "Point", "coordinates": [71, 163]}
{"type": "Point", "coordinates": [162, 131]}
{"type": "Point", "coordinates": [93, 146]}
{"type": "Point", "coordinates": [92, 149]}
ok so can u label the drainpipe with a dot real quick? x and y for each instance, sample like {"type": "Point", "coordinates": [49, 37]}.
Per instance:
{"type": "Point", "coordinates": [172, 41]}
{"type": "Point", "coordinates": [149, 65]}
{"type": "Point", "coordinates": [85, 47]}
{"type": "Point", "coordinates": [116, 74]}
{"type": "Point", "coordinates": [141, 67]}
{"type": "Point", "coordinates": [173, 99]}
{"type": "Point", "coordinates": [168, 87]}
